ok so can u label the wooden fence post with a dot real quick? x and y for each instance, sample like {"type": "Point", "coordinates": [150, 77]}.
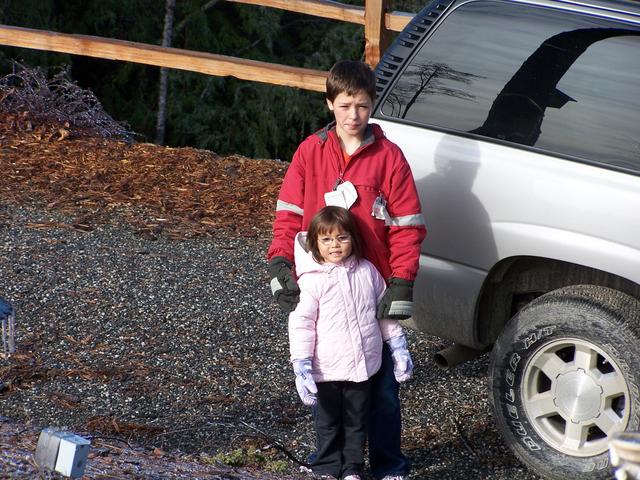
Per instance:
{"type": "Point", "coordinates": [377, 37]}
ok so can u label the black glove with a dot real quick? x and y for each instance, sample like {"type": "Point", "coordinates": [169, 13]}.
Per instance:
{"type": "Point", "coordinates": [283, 286]}
{"type": "Point", "coordinates": [397, 301]}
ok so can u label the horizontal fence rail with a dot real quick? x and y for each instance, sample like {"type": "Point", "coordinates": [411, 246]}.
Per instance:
{"type": "Point", "coordinates": [201, 62]}
{"type": "Point", "coordinates": [394, 21]}
{"type": "Point", "coordinates": [318, 8]}
{"type": "Point", "coordinates": [377, 24]}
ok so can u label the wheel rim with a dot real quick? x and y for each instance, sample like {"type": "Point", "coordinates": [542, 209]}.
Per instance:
{"type": "Point", "coordinates": [575, 396]}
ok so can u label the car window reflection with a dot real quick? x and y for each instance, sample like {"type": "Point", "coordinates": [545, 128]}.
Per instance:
{"type": "Point", "coordinates": [529, 75]}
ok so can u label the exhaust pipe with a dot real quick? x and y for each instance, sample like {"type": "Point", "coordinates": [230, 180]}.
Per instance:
{"type": "Point", "coordinates": [456, 354]}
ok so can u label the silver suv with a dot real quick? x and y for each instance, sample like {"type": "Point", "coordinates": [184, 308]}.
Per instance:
{"type": "Point", "coordinates": [521, 122]}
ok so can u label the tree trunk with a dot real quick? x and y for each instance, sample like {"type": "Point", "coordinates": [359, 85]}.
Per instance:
{"type": "Point", "coordinates": [162, 92]}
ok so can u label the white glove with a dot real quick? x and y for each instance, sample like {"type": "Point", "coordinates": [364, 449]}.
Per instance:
{"type": "Point", "coordinates": [402, 363]}
{"type": "Point", "coordinates": [305, 384]}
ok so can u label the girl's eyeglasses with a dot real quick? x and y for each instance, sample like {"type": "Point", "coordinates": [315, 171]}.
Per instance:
{"type": "Point", "coordinates": [326, 240]}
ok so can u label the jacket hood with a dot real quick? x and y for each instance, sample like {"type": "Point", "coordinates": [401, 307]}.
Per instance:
{"type": "Point", "coordinates": [305, 263]}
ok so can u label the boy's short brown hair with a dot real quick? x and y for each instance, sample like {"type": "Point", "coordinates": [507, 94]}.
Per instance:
{"type": "Point", "coordinates": [351, 77]}
{"type": "Point", "coordinates": [328, 219]}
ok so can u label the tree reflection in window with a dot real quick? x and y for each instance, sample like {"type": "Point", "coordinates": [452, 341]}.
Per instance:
{"type": "Point", "coordinates": [422, 79]}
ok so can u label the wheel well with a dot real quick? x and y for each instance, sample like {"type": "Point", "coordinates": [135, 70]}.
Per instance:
{"type": "Point", "coordinates": [514, 282]}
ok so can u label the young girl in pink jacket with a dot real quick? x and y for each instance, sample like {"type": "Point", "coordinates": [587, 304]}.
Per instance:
{"type": "Point", "coordinates": [336, 340]}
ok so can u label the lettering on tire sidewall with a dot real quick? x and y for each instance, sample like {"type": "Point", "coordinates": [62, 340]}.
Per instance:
{"type": "Point", "coordinates": [515, 417]}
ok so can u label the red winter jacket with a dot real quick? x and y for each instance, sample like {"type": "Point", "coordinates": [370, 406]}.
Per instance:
{"type": "Point", "coordinates": [377, 168]}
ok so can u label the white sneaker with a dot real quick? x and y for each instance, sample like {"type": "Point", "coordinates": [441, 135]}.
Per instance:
{"type": "Point", "coordinates": [352, 477]}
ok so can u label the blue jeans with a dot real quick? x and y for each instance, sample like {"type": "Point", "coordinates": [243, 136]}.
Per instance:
{"type": "Point", "coordinates": [385, 456]}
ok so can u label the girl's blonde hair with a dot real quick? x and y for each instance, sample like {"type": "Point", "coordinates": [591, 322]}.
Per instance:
{"type": "Point", "coordinates": [333, 218]}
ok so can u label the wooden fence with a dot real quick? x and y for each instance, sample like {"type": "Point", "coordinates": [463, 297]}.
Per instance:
{"type": "Point", "coordinates": [377, 22]}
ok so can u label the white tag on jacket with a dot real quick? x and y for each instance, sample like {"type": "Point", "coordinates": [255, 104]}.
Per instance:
{"type": "Point", "coordinates": [343, 196]}
{"type": "Point", "coordinates": [379, 210]}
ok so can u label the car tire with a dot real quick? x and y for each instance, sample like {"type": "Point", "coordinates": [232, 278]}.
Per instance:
{"type": "Point", "coordinates": [564, 377]}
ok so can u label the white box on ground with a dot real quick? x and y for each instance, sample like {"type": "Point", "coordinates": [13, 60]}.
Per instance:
{"type": "Point", "coordinates": [63, 452]}
{"type": "Point", "coordinates": [72, 455]}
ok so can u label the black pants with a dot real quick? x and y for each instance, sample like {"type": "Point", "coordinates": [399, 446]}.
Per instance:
{"type": "Point", "coordinates": [341, 427]}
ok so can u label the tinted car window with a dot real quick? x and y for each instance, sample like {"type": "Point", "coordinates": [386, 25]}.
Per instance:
{"type": "Point", "coordinates": [554, 80]}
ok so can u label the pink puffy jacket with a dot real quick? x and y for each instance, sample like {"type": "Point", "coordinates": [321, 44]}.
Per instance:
{"type": "Point", "coordinates": [335, 322]}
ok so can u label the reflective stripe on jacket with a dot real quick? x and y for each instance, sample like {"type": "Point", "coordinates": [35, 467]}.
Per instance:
{"type": "Point", "coordinates": [377, 169]}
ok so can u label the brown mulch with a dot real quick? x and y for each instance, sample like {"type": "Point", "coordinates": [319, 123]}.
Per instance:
{"type": "Point", "coordinates": [182, 192]}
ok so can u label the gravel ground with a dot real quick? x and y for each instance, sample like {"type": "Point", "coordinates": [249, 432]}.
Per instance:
{"type": "Point", "coordinates": [178, 345]}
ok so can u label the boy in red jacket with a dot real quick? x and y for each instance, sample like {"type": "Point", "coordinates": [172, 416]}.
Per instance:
{"type": "Point", "coordinates": [350, 163]}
